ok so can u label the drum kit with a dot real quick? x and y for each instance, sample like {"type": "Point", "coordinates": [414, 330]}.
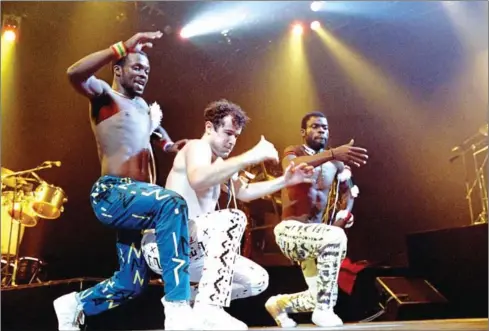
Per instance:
{"type": "Point", "coordinates": [26, 198]}
{"type": "Point", "coordinates": [473, 154]}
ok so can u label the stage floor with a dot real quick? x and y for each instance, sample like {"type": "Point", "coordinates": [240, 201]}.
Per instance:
{"type": "Point", "coordinates": [453, 324]}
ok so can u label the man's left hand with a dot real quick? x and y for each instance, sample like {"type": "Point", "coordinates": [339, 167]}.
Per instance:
{"type": "Point", "coordinates": [177, 146]}
{"type": "Point", "coordinates": [296, 174]}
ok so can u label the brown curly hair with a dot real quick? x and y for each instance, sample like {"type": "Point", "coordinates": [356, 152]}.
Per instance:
{"type": "Point", "coordinates": [216, 111]}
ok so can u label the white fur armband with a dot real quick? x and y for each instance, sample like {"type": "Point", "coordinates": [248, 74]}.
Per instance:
{"type": "Point", "coordinates": [155, 115]}
{"type": "Point", "coordinates": [354, 191]}
{"type": "Point", "coordinates": [344, 175]}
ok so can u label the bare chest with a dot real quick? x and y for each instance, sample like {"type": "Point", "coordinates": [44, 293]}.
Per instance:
{"type": "Point", "coordinates": [131, 110]}
{"type": "Point", "coordinates": [210, 195]}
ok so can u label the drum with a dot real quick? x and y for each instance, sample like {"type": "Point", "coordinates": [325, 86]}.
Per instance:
{"type": "Point", "coordinates": [19, 209]}
{"type": "Point", "coordinates": [29, 269]}
{"type": "Point", "coordinates": [48, 202]}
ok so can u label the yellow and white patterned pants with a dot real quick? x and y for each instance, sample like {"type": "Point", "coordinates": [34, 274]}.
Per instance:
{"type": "Point", "coordinates": [319, 249]}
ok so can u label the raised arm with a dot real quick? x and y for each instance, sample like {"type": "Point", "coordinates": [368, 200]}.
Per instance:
{"type": "Point", "coordinates": [81, 74]}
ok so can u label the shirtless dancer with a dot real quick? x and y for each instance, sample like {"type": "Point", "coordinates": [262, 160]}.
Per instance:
{"type": "Point", "coordinates": [200, 171]}
{"type": "Point", "coordinates": [319, 248]}
{"type": "Point", "coordinates": [125, 196]}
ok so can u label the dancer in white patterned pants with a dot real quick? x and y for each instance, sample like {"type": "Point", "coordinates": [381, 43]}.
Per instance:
{"type": "Point", "coordinates": [319, 249]}
{"type": "Point", "coordinates": [220, 259]}
{"type": "Point", "coordinates": [214, 247]}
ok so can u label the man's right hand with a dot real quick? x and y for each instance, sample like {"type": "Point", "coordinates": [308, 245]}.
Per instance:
{"type": "Point", "coordinates": [350, 154]}
{"type": "Point", "coordinates": [141, 40]}
{"type": "Point", "coordinates": [263, 151]}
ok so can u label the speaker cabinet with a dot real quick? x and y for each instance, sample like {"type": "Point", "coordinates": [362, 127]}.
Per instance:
{"type": "Point", "coordinates": [405, 298]}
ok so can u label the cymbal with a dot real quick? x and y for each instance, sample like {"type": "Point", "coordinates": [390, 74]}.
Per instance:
{"type": "Point", "coordinates": [483, 130]}
{"type": "Point", "coordinates": [12, 181]}
{"type": "Point", "coordinates": [6, 171]}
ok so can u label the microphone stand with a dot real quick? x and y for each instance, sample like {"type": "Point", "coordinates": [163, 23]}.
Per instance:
{"type": "Point", "coordinates": [474, 144]}
{"type": "Point", "coordinates": [41, 167]}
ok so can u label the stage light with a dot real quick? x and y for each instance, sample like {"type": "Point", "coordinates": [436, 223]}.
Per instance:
{"type": "Point", "coordinates": [316, 5]}
{"type": "Point", "coordinates": [297, 29]}
{"type": "Point", "coordinates": [184, 33]}
{"type": "Point", "coordinates": [10, 27]}
{"type": "Point", "coordinates": [315, 25]}
{"type": "Point", "coordinates": [9, 35]}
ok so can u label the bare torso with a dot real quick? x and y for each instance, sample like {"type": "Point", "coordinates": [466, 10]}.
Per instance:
{"type": "Point", "coordinates": [122, 129]}
{"type": "Point", "coordinates": [199, 202]}
{"type": "Point", "coordinates": [307, 202]}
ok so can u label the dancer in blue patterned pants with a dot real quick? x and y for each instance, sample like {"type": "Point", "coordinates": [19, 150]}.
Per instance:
{"type": "Point", "coordinates": [126, 130]}
{"type": "Point", "coordinates": [131, 206]}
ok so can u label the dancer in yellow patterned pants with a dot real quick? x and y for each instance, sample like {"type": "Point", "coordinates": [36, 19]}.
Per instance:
{"type": "Point", "coordinates": [319, 249]}
{"type": "Point", "coordinates": [304, 235]}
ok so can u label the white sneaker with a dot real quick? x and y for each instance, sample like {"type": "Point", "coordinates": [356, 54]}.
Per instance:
{"type": "Point", "coordinates": [179, 316]}
{"type": "Point", "coordinates": [216, 318]}
{"type": "Point", "coordinates": [69, 312]}
{"type": "Point", "coordinates": [278, 313]}
{"type": "Point", "coordinates": [325, 317]}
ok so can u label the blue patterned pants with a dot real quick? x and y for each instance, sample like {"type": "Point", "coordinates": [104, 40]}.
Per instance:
{"type": "Point", "coordinates": [131, 206]}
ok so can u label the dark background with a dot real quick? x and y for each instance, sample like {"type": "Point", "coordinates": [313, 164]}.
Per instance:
{"type": "Point", "coordinates": [434, 63]}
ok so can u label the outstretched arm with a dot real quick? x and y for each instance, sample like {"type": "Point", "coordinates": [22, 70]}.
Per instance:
{"type": "Point", "coordinates": [348, 154]}
{"type": "Point", "coordinates": [312, 160]}
{"type": "Point", "coordinates": [250, 192]}
{"type": "Point", "coordinates": [81, 74]}
{"type": "Point", "coordinates": [293, 175]}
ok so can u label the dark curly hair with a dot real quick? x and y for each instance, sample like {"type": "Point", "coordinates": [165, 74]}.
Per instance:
{"type": "Point", "coordinates": [217, 110]}
{"type": "Point", "coordinates": [308, 116]}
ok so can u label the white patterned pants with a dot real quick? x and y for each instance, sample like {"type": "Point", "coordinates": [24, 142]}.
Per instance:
{"type": "Point", "coordinates": [319, 249]}
{"type": "Point", "coordinates": [223, 275]}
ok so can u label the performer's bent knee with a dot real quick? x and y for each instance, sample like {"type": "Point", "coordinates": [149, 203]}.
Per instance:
{"type": "Point", "coordinates": [173, 202]}
{"type": "Point", "coordinates": [132, 290]}
{"type": "Point", "coordinates": [337, 235]}
{"type": "Point", "coordinates": [259, 281]}
{"type": "Point", "coordinates": [176, 199]}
